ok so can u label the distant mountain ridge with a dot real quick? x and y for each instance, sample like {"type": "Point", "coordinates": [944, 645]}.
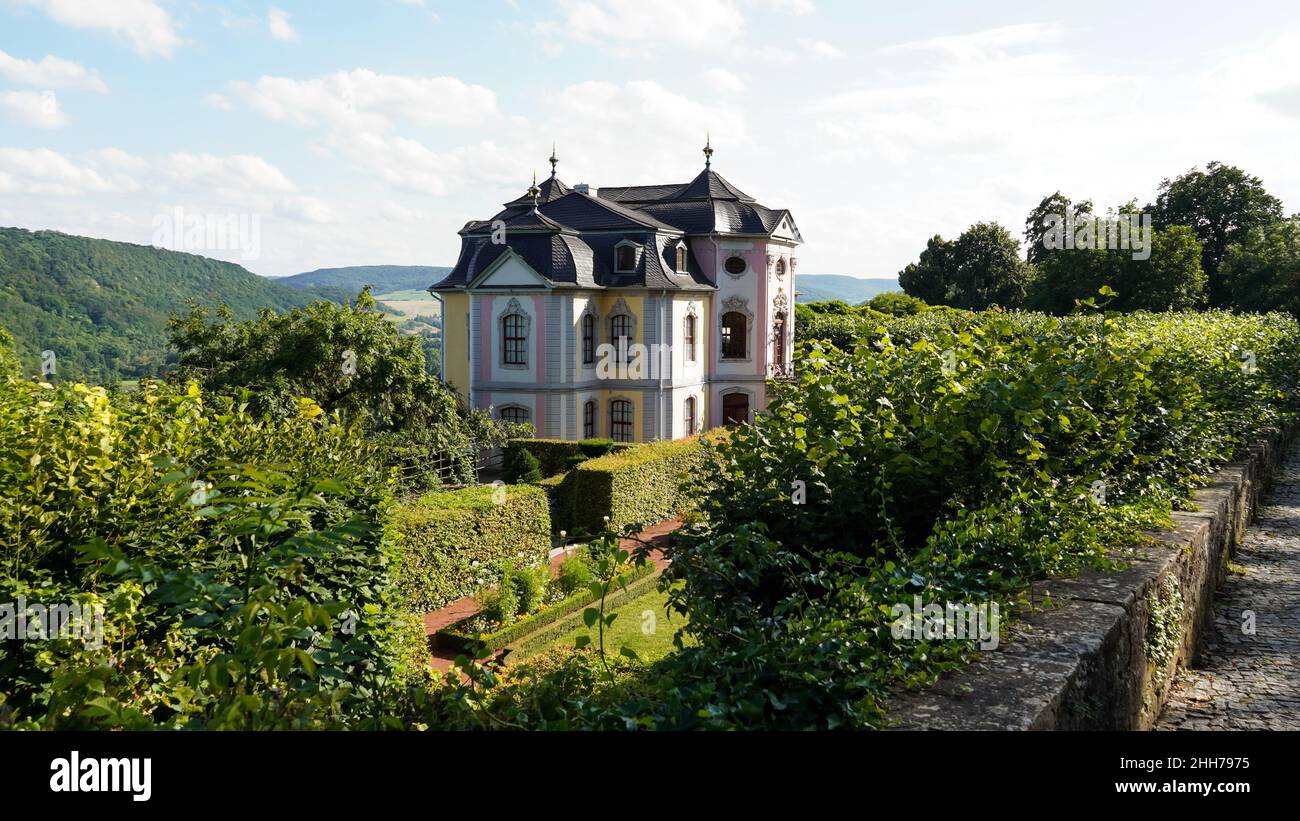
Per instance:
{"type": "Point", "coordinates": [102, 306]}
{"type": "Point", "coordinates": [383, 279]}
{"type": "Point", "coordinates": [825, 287]}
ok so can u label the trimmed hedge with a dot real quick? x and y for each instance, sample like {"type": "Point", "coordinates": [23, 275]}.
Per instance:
{"type": "Point", "coordinates": [558, 455]}
{"type": "Point", "coordinates": [525, 628]}
{"type": "Point", "coordinates": [640, 484]}
{"type": "Point", "coordinates": [454, 541]}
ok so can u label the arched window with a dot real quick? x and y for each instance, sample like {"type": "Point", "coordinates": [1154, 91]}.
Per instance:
{"type": "Point", "coordinates": [620, 328]}
{"type": "Point", "coordinates": [588, 339]}
{"type": "Point", "coordinates": [589, 419]}
{"type": "Point", "coordinates": [689, 338]}
{"type": "Point", "coordinates": [735, 408]}
{"type": "Point", "coordinates": [514, 339]}
{"type": "Point", "coordinates": [778, 339]}
{"type": "Point", "coordinates": [681, 258]}
{"type": "Point", "coordinates": [733, 335]}
{"type": "Point", "coordinates": [690, 416]}
{"type": "Point", "coordinates": [514, 414]}
{"type": "Point", "coordinates": [620, 420]}
{"type": "Point", "coordinates": [625, 258]}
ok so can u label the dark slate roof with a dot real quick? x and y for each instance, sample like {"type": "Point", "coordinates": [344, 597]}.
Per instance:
{"type": "Point", "coordinates": [552, 189]}
{"type": "Point", "coordinates": [570, 237]}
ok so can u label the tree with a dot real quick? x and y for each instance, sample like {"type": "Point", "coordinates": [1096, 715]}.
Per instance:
{"type": "Point", "coordinates": [928, 278]}
{"type": "Point", "coordinates": [1170, 279]}
{"type": "Point", "coordinates": [1221, 204]}
{"type": "Point", "coordinates": [981, 268]}
{"type": "Point", "coordinates": [8, 360]}
{"type": "Point", "coordinates": [351, 361]}
{"type": "Point", "coordinates": [896, 303]}
{"type": "Point", "coordinates": [1054, 209]}
{"type": "Point", "coordinates": [1262, 273]}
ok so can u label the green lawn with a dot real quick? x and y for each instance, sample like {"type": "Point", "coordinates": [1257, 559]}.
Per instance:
{"type": "Point", "coordinates": [642, 624]}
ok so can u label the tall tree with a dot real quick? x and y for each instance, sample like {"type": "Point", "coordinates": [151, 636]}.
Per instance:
{"type": "Point", "coordinates": [1262, 273]}
{"type": "Point", "coordinates": [981, 268]}
{"type": "Point", "coordinates": [1221, 204]}
{"type": "Point", "coordinates": [928, 278]}
{"type": "Point", "coordinates": [1052, 211]}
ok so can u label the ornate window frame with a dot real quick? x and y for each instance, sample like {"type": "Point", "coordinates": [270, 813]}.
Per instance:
{"type": "Point", "coordinates": [691, 315]}
{"type": "Point", "coordinates": [737, 304]}
{"type": "Point", "coordinates": [750, 392]}
{"type": "Point", "coordinates": [740, 256]}
{"type": "Point", "coordinates": [681, 257]}
{"type": "Point", "coordinates": [514, 308]}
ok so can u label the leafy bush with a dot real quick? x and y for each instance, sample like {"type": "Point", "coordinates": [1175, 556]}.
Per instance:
{"type": "Point", "coordinates": [500, 603]}
{"type": "Point", "coordinates": [519, 465]}
{"type": "Point", "coordinates": [575, 573]}
{"type": "Point", "coordinates": [242, 565]}
{"type": "Point", "coordinates": [642, 484]}
{"type": "Point", "coordinates": [559, 455]}
{"type": "Point", "coordinates": [530, 586]}
{"type": "Point", "coordinates": [454, 542]}
{"type": "Point", "coordinates": [957, 467]}
{"type": "Point", "coordinates": [896, 303]}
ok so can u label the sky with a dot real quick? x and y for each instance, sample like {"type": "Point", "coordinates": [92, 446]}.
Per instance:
{"type": "Point", "coordinates": [353, 133]}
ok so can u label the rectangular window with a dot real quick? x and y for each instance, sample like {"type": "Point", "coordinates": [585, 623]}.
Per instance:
{"type": "Point", "coordinates": [620, 420]}
{"type": "Point", "coordinates": [620, 335]}
{"type": "Point", "coordinates": [689, 341]}
{"type": "Point", "coordinates": [515, 350]}
{"type": "Point", "coordinates": [589, 420]}
{"type": "Point", "coordinates": [515, 415]}
{"type": "Point", "coordinates": [588, 340]}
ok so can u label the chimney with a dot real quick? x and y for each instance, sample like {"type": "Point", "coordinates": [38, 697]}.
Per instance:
{"type": "Point", "coordinates": [583, 188]}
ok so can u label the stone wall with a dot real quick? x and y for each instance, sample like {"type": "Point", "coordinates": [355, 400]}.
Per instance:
{"type": "Point", "coordinates": [1098, 650]}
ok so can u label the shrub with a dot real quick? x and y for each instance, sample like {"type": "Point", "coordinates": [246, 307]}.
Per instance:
{"type": "Point", "coordinates": [642, 484]}
{"type": "Point", "coordinates": [558, 455]}
{"type": "Point", "coordinates": [896, 303]}
{"type": "Point", "coordinates": [453, 542]}
{"type": "Point", "coordinates": [520, 465]}
{"type": "Point", "coordinates": [500, 603]}
{"type": "Point", "coordinates": [575, 573]}
{"type": "Point", "coordinates": [530, 586]}
{"type": "Point", "coordinates": [243, 563]}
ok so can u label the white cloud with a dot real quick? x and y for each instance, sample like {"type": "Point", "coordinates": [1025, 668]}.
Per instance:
{"type": "Point", "coordinates": [38, 109]}
{"type": "Point", "coordinates": [147, 25]}
{"type": "Point", "coordinates": [277, 21]}
{"type": "Point", "coordinates": [798, 8]}
{"type": "Point", "coordinates": [232, 175]}
{"type": "Point", "coordinates": [990, 44]}
{"type": "Point", "coordinates": [695, 24]}
{"type": "Point", "coordinates": [42, 171]}
{"type": "Point", "coordinates": [220, 101]}
{"type": "Point", "coordinates": [719, 79]}
{"type": "Point", "coordinates": [820, 48]}
{"type": "Point", "coordinates": [364, 100]}
{"type": "Point", "coordinates": [50, 72]}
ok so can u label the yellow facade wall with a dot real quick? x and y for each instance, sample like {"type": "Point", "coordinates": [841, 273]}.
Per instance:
{"type": "Point", "coordinates": [455, 323]}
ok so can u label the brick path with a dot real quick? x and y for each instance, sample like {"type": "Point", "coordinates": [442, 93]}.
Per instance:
{"type": "Point", "coordinates": [1252, 682]}
{"type": "Point", "coordinates": [442, 660]}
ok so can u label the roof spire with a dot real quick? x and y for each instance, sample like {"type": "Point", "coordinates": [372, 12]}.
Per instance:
{"type": "Point", "coordinates": [554, 160]}
{"type": "Point", "coordinates": [708, 150]}
{"type": "Point", "coordinates": [534, 191]}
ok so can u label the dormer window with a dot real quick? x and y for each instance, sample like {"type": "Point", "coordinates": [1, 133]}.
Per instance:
{"type": "Point", "coordinates": [681, 257]}
{"type": "Point", "coordinates": [625, 257]}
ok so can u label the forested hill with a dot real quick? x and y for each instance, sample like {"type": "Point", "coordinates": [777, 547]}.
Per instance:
{"type": "Point", "coordinates": [383, 279]}
{"type": "Point", "coordinates": [103, 306]}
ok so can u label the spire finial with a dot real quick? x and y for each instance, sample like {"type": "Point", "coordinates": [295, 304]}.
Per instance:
{"type": "Point", "coordinates": [534, 191]}
{"type": "Point", "coordinates": [554, 160]}
{"type": "Point", "coordinates": [708, 150]}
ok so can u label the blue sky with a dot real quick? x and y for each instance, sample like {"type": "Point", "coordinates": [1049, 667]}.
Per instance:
{"type": "Point", "coordinates": [365, 133]}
